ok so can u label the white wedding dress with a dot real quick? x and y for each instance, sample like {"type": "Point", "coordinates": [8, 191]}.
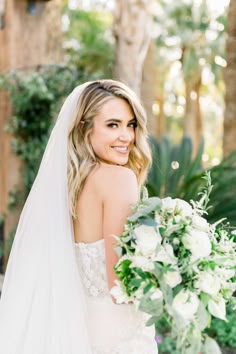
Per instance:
{"type": "Point", "coordinates": [112, 328]}
{"type": "Point", "coordinates": [43, 305]}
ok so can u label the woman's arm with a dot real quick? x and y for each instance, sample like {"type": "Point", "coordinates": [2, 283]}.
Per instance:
{"type": "Point", "coordinates": [119, 193]}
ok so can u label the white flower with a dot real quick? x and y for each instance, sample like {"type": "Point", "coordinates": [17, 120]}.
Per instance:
{"type": "Point", "coordinates": [200, 223]}
{"type": "Point", "coordinates": [119, 294]}
{"type": "Point", "coordinates": [225, 273]}
{"type": "Point", "coordinates": [225, 246]}
{"type": "Point", "coordinates": [165, 255]}
{"type": "Point", "coordinates": [217, 308]}
{"type": "Point", "coordinates": [176, 206]}
{"type": "Point", "coordinates": [186, 304]}
{"type": "Point", "coordinates": [157, 295]}
{"type": "Point", "coordinates": [177, 219]}
{"type": "Point", "coordinates": [142, 262]}
{"type": "Point", "coordinates": [172, 278]}
{"type": "Point", "coordinates": [208, 282]}
{"type": "Point", "coordinates": [148, 238]}
{"type": "Point", "coordinates": [198, 243]}
{"type": "Point", "coordinates": [183, 207]}
{"type": "Point", "coordinates": [168, 204]}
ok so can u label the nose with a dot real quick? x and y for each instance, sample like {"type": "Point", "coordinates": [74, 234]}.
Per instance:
{"type": "Point", "coordinates": [125, 136]}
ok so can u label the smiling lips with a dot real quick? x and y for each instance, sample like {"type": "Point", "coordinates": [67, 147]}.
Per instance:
{"type": "Point", "coordinates": [122, 149]}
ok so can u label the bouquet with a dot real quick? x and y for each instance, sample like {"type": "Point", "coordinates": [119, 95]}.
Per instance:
{"type": "Point", "coordinates": [173, 263]}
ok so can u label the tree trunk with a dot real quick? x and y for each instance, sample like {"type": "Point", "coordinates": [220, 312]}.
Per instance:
{"type": "Point", "coordinates": [26, 41]}
{"type": "Point", "coordinates": [149, 88]}
{"type": "Point", "coordinates": [229, 140]}
{"type": "Point", "coordinates": [193, 126]}
{"type": "Point", "coordinates": [132, 28]}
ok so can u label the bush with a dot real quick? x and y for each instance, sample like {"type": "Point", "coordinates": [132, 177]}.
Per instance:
{"type": "Point", "coordinates": [176, 174]}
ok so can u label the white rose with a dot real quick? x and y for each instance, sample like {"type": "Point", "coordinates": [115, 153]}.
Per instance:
{"type": "Point", "coordinates": [217, 308]}
{"type": "Point", "coordinates": [198, 243]}
{"type": "Point", "coordinates": [165, 255]}
{"type": "Point", "coordinates": [119, 293]}
{"type": "Point", "coordinates": [148, 238]}
{"type": "Point", "coordinates": [172, 278]}
{"type": "Point", "coordinates": [185, 304]}
{"type": "Point", "coordinates": [168, 204]}
{"type": "Point", "coordinates": [183, 207]}
{"type": "Point", "coordinates": [142, 262]}
{"type": "Point", "coordinates": [200, 223]}
{"type": "Point", "coordinates": [208, 283]}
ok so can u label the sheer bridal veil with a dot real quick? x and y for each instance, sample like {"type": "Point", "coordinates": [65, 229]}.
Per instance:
{"type": "Point", "coordinates": [42, 307]}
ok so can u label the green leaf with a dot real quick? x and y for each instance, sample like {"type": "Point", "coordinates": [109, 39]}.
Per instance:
{"type": "Point", "coordinates": [148, 221]}
{"type": "Point", "coordinates": [151, 204]}
{"type": "Point", "coordinates": [152, 320]}
{"type": "Point", "coordinates": [152, 307]}
{"type": "Point", "coordinates": [158, 269]}
{"type": "Point", "coordinates": [203, 316]}
{"type": "Point", "coordinates": [135, 282]}
{"type": "Point", "coordinates": [210, 346]}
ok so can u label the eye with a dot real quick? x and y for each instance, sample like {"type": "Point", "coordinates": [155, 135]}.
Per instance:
{"type": "Point", "coordinates": [132, 124]}
{"type": "Point", "coordinates": [112, 125]}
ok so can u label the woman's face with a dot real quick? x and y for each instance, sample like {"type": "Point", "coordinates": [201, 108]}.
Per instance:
{"type": "Point", "coordinates": [113, 132]}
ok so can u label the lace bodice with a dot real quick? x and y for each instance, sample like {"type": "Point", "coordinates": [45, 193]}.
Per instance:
{"type": "Point", "coordinates": [114, 329]}
{"type": "Point", "coordinates": [92, 265]}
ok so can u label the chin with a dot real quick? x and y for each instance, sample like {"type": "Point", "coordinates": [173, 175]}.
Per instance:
{"type": "Point", "coordinates": [121, 162]}
{"type": "Point", "coordinates": [115, 161]}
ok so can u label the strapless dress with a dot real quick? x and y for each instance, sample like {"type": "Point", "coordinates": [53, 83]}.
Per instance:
{"type": "Point", "coordinates": [113, 328]}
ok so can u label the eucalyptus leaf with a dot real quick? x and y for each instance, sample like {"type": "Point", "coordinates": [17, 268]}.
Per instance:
{"type": "Point", "coordinates": [203, 316]}
{"type": "Point", "coordinates": [118, 251]}
{"type": "Point", "coordinates": [148, 221]}
{"type": "Point", "coordinates": [152, 320]}
{"type": "Point", "coordinates": [152, 204]}
{"type": "Point", "coordinates": [210, 346]}
{"type": "Point", "coordinates": [158, 268]}
{"type": "Point", "coordinates": [152, 307]}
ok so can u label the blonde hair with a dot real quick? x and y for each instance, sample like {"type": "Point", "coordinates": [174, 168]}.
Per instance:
{"type": "Point", "coordinates": [81, 157]}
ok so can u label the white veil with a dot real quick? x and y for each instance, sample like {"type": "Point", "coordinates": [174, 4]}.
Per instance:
{"type": "Point", "coordinates": [42, 307]}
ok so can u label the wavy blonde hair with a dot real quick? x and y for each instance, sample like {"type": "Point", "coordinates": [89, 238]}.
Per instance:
{"type": "Point", "coordinates": [81, 157]}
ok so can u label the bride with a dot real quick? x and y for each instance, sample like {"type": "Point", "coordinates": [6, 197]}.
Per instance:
{"type": "Point", "coordinates": [56, 292]}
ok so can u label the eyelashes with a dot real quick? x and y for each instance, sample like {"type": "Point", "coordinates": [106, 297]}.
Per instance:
{"type": "Point", "coordinates": [115, 125]}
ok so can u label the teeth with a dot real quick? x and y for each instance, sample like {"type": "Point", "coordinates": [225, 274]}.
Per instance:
{"type": "Point", "coordinates": [119, 148]}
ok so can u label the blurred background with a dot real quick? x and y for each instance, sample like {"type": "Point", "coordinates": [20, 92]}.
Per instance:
{"type": "Point", "coordinates": [178, 56]}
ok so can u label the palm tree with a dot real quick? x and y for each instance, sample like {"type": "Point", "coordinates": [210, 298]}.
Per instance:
{"type": "Point", "coordinates": [229, 143]}
{"type": "Point", "coordinates": [184, 30]}
{"type": "Point", "coordinates": [132, 31]}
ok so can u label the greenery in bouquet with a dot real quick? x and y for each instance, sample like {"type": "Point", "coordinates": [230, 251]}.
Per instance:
{"type": "Point", "coordinates": [173, 263]}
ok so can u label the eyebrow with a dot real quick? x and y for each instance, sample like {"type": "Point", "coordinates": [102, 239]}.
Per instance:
{"type": "Point", "coordinates": [118, 120]}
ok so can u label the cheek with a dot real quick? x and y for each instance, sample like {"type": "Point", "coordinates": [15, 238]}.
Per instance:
{"type": "Point", "coordinates": [100, 140]}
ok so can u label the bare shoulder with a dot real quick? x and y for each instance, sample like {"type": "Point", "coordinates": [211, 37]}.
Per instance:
{"type": "Point", "coordinates": [115, 179]}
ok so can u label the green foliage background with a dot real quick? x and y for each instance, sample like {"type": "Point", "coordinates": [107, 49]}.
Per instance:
{"type": "Point", "coordinates": [89, 43]}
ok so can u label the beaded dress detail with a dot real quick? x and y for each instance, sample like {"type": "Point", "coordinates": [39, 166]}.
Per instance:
{"type": "Point", "coordinates": [113, 329]}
